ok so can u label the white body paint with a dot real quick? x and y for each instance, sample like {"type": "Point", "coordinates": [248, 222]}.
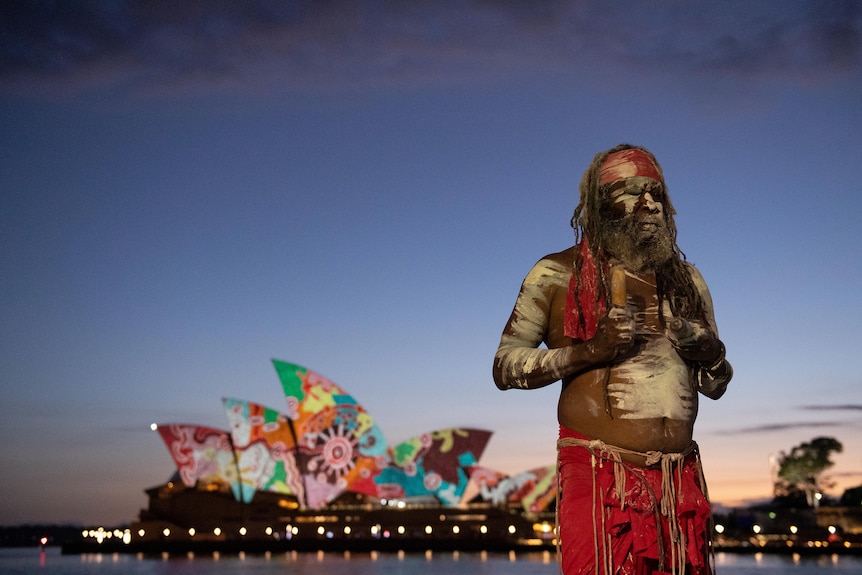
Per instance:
{"type": "Point", "coordinates": [520, 355]}
{"type": "Point", "coordinates": [653, 384]}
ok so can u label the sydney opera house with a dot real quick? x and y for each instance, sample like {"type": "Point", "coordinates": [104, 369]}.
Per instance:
{"type": "Point", "coordinates": [321, 475]}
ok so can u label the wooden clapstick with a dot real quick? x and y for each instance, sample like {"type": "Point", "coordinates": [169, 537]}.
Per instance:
{"type": "Point", "coordinates": [618, 286]}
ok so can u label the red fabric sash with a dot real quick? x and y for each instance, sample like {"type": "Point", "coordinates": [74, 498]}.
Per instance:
{"type": "Point", "coordinates": [586, 296]}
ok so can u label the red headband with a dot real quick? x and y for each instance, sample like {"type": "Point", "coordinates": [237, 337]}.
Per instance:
{"type": "Point", "coordinates": [628, 163]}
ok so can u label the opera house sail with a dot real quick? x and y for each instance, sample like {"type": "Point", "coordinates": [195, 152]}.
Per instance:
{"type": "Point", "coordinates": [323, 459]}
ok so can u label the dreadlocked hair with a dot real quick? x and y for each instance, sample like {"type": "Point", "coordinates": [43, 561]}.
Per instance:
{"type": "Point", "coordinates": [673, 281]}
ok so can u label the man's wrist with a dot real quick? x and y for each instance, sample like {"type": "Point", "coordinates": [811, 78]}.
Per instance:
{"type": "Point", "coordinates": [712, 378]}
{"type": "Point", "coordinates": [715, 364]}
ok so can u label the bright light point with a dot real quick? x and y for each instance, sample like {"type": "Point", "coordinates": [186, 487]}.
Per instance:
{"type": "Point", "coordinates": [243, 531]}
{"type": "Point", "coordinates": [217, 531]}
{"type": "Point", "coordinates": [832, 529]}
{"type": "Point", "coordinates": [154, 426]}
{"type": "Point", "coordinates": [755, 528]}
{"type": "Point", "coordinates": [347, 529]}
{"type": "Point", "coordinates": [192, 531]}
{"type": "Point", "coordinates": [428, 529]}
{"type": "Point", "coordinates": [719, 528]}
{"type": "Point", "coordinates": [512, 529]}
{"type": "Point", "coordinates": [166, 532]}
{"type": "Point", "coordinates": [794, 529]}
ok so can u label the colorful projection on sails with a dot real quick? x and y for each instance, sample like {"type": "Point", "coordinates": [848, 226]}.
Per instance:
{"type": "Point", "coordinates": [534, 489]}
{"type": "Point", "coordinates": [202, 454]}
{"type": "Point", "coordinates": [433, 464]}
{"type": "Point", "coordinates": [265, 449]}
{"type": "Point", "coordinates": [327, 444]}
{"type": "Point", "coordinates": [338, 443]}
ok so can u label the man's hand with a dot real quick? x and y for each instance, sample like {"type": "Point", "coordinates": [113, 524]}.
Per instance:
{"type": "Point", "coordinates": [615, 335]}
{"type": "Point", "coordinates": [693, 341]}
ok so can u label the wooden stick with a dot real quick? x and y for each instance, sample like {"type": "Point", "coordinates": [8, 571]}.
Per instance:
{"type": "Point", "coordinates": [618, 286]}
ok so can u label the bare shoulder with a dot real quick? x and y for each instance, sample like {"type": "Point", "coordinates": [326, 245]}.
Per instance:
{"type": "Point", "coordinates": [693, 272]}
{"type": "Point", "coordinates": [696, 278]}
{"type": "Point", "coordinates": [565, 257]}
{"type": "Point", "coordinates": [551, 269]}
{"type": "Point", "coordinates": [702, 288]}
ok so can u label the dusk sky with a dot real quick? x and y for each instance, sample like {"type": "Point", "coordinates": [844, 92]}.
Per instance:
{"type": "Point", "coordinates": [189, 190]}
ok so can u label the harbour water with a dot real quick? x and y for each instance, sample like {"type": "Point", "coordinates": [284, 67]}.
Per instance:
{"type": "Point", "coordinates": [26, 561]}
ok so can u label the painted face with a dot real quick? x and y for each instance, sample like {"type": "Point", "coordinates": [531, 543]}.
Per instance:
{"type": "Point", "coordinates": [636, 195]}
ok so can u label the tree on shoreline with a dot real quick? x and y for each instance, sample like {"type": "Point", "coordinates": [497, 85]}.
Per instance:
{"type": "Point", "coordinates": [800, 471]}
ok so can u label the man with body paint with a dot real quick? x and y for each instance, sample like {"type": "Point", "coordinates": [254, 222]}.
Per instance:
{"type": "Point", "coordinates": [628, 327]}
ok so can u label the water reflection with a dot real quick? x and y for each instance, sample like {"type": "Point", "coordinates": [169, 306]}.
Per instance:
{"type": "Point", "coordinates": [50, 562]}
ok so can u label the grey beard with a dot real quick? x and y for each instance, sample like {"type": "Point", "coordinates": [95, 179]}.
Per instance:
{"type": "Point", "coordinates": [638, 255]}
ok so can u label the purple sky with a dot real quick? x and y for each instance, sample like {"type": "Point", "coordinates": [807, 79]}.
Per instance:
{"type": "Point", "coordinates": [189, 191]}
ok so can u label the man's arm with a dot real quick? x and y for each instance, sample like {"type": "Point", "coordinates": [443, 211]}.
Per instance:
{"type": "Point", "coordinates": [520, 363]}
{"type": "Point", "coordinates": [704, 347]}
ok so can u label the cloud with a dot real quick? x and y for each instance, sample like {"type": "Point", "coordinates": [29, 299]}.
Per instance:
{"type": "Point", "coordinates": [845, 474]}
{"type": "Point", "coordinates": [839, 407]}
{"type": "Point", "coordinates": [168, 47]}
{"type": "Point", "coordinates": [768, 428]}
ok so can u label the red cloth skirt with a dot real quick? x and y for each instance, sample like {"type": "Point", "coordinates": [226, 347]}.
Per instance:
{"type": "Point", "coordinates": [601, 532]}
